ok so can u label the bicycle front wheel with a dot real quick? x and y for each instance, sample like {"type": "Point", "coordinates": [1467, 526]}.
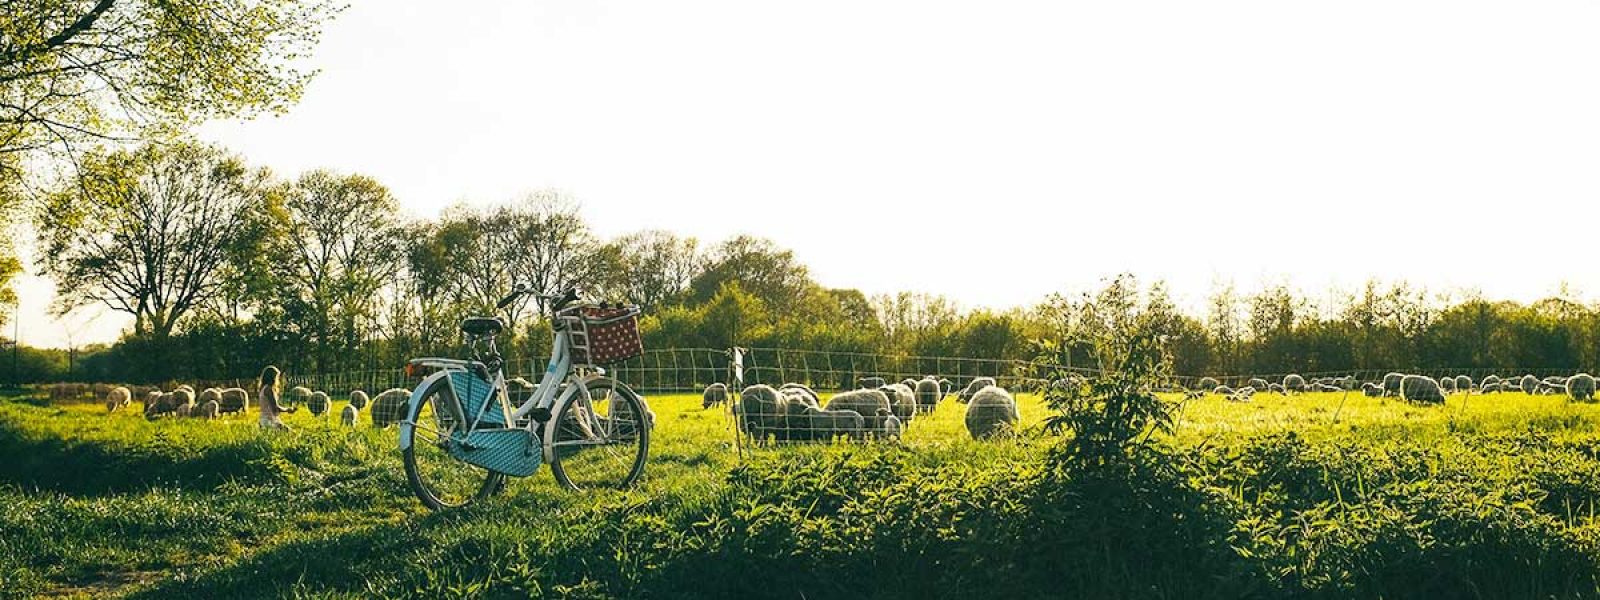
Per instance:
{"type": "Point", "coordinates": [438, 479]}
{"type": "Point", "coordinates": [601, 438]}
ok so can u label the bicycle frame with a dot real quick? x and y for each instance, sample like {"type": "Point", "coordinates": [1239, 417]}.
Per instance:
{"type": "Point", "coordinates": [556, 388]}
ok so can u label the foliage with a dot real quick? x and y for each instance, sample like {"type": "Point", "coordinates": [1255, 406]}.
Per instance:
{"type": "Point", "coordinates": [148, 232]}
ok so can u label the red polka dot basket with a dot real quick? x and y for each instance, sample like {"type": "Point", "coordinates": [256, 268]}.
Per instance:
{"type": "Point", "coordinates": [604, 335]}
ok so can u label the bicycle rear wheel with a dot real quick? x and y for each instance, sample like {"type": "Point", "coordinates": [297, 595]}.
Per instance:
{"type": "Point", "coordinates": [438, 479]}
{"type": "Point", "coordinates": [601, 438]}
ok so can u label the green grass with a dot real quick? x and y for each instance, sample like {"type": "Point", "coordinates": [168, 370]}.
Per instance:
{"type": "Point", "coordinates": [1489, 496]}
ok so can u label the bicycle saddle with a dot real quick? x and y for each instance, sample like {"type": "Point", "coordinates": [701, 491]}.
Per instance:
{"type": "Point", "coordinates": [482, 326]}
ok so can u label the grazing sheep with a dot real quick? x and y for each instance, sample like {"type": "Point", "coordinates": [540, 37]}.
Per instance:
{"type": "Point", "coordinates": [1492, 380]}
{"type": "Point", "coordinates": [1327, 387]}
{"type": "Point", "coordinates": [1276, 388]}
{"type": "Point", "coordinates": [348, 415]}
{"type": "Point", "coordinates": [390, 406]}
{"type": "Point", "coordinates": [806, 394]}
{"type": "Point", "coordinates": [1421, 389]}
{"type": "Point", "coordinates": [1222, 390]}
{"type": "Point", "coordinates": [1207, 383]}
{"type": "Point", "coordinates": [902, 401]}
{"type": "Point", "coordinates": [1258, 383]}
{"type": "Point", "coordinates": [233, 400]}
{"type": "Point", "coordinates": [829, 424]}
{"type": "Point", "coordinates": [946, 386]}
{"type": "Point", "coordinates": [297, 395]}
{"type": "Point", "coordinates": [928, 394]}
{"type": "Point", "coordinates": [1529, 384]}
{"type": "Point", "coordinates": [800, 396]}
{"type": "Point", "coordinates": [118, 398]}
{"type": "Point", "coordinates": [715, 395]}
{"type": "Point", "coordinates": [1371, 390]}
{"type": "Point", "coordinates": [762, 411]}
{"type": "Point", "coordinates": [866, 403]}
{"type": "Point", "coordinates": [1448, 384]}
{"type": "Point", "coordinates": [183, 410]}
{"type": "Point", "coordinates": [1580, 387]}
{"type": "Point", "coordinates": [871, 382]}
{"type": "Point", "coordinates": [976, 384]}
{"type": "Point", "coordinates": [1391, 384]}
{"type": "Point", "coordinates": [210, 394]}
{"type": "Point", "coordinates": [318, 403]}
{"type": "Point", "coordinates": [1293, 384]}
{"type": "Point", "coordinates": [991, 411]}
{"type": "Point", "coordinates": [183, 395]}
{"type": "Point", "coordinates": [909, 383]}
{"type": "Point", "coordinates": [152, 401]}
{"type": "Point", "coordinates": [358, 399]}
{"type": "Point", "coordinates": [1463, 382]}
{"type": "Point", "coordinates": [1243, 394]}
{"type": "Point", "coordinates": [207, 410]}
{"type": "Point", "coordinates": [186, 387]}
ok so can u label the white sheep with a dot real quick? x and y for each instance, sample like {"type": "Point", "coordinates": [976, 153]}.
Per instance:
{"type": "Point", "coordinates": [1293, 384]}
{"type": "Point", "coordinates": [928, 394]}
{"type": "Point", "coordinates": [902, 401]}
{"type": "Point", "coordinates": [207, 410]}
{"type": "Point", "coordinates": [318, 403]}
{"type": "Point", "coordinates": [390, 406]}
{"type": "Point", "coordinates": [867, 403]}
{"type": "Point", "coordinates": [714, 395]}
{"type": "Point", "coordinates": [233, 400]}
{"type": "Point", "coordinates": [1421, 390]}
{"type": "Point", "coordinates": [992, 411]}
{"type": "Point", "coordinates": [118, 398]}
{"type": "Point", "coordinates": [348, 415]}
{"type": "Point", "coordinates": [973, 386]}
{"type": "Point", "coordinates": [1580, 387]}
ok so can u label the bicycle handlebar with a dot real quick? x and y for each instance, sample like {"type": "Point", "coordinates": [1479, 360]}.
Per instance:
{"type": "Point", "coordinates": [558, 303]}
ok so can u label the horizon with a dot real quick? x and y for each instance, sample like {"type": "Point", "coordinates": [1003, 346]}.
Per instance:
{"type": "Point", "coordinates": [992, 156]}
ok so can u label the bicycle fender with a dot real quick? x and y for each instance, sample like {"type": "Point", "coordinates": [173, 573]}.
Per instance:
{"type": "Point", "coordinates": [411, 406]}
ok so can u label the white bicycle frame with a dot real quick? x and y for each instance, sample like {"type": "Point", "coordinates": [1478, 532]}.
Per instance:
{"type": "Point", "coordinates": [557, 388]}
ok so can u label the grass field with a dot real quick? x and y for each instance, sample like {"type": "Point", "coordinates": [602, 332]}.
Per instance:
{"type": "Point", "coordinates": [1486, 496]}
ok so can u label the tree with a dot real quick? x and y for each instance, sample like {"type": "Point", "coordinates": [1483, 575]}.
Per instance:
{"type": "Point", "coordinates": [551, 248]}
{"type": "Point", "coordinates": [760, 268]}
{"type": "Point", "coordinates": [148, 231]}
{"type": "Point", "coordinates": [80, 71]}
{"type": "Point", "coordinates": [341, 248]}
{"type": "Point", "coordinates": [657, 266]}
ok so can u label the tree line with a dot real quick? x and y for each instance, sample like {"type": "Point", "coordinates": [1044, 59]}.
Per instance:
{"type": "Point", "coordinates": [225, 267]}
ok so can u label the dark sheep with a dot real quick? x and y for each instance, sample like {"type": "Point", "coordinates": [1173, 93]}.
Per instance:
{"type": "Point", "coordinates": [866, 403]}
{"type": "Point", "coordinates": [1421, 389]}
{"type": "Point", "coordinates": [928, 394]}
{"type": "Point", "coordinates": [973, 387]}
{"type": "Point", "coordinates": [902, 401]}
{"type": "Point", "coordinates": [1371, 390]}
{"type": "Point", "coordinates": [1391, 384]}
{"type": "Point", "coordinates": [1259, 383]}
{"type": "Point", "coordinates": [715, 395]}
{"type": "Point", "coordinates": [1580, 387]}
{"type": "Point", "coordinates": [1294, 384]}
{"type": "Point", "coordinates": [871, 382]}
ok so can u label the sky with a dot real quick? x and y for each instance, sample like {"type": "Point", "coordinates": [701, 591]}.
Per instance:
{"type": "Point", "coordinates": [992, 151]}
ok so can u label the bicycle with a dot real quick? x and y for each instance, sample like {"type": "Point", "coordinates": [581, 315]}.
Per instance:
{"type": "Point", "coordinates": [461, 440]}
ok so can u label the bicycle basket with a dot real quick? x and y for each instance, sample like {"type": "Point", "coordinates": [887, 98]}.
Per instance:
{"type": "Point", "coordinates": [606, 335]}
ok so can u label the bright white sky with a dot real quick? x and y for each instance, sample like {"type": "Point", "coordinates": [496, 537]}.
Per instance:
{"type": "Point", "coordinates": [991, 151]}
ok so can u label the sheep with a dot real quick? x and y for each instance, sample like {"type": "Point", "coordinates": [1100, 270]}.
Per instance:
{"type": "Point", "coordinates": [946, 386]}
{"type": "Point", "coordinates": [715, 395]}
{"type": "Point", "coordinates": [1529, 384]}
{"type": "Point", "coordinates": [928, 394]}
{"type": "Point", "coordinates": [978, 383]}
{"type": "Point", "coordinates": [1507, 385]}
{"type": "Point", "coordinates": [298, 395]}
{"type": "Point", "coordinates": [1448, 384]}
{"type": "Point", "coordinates": [152, 400]}
{"type": "Point", "coordinates": [1371, 390]}
{"type": "Point", "coordinates": [209, 395]}
{"type": "Point", "coordinates": [761, 410]}
{"type": "Point", "coordinates": [1276, 388]}
{"type": "Point", "coordinates": [892, 427]}
{"type": "Point", "coordinates": [806, 394]}
{"type": "Point", "coordinates": [910, 383]}
{"type": "Point", "coordinates": [828, 424]}
{"type": "Point", "coordinates": [1222, 390]}
{"type": "Point", "coordinates": [206, 410]}
{"type": "Point", "coordinates": [1294, 384]}
{"type": "Point", "coordinates": [1391, 384]}
{"type": "Point", "coordinates": [348, 415]}
{"type": "Point", "coordinates": [183, 395]}
{"type": "Point", "coordinates": [1243, 394]}
{"type": "Point", "coordinates": [186, 387]}
{"type": "Point", "coordinates": [1463, 383]}
{"type": "Point", "coordinates": [1207, 383]}
{"type": "Point", "coordinates": [358, 399]}
{"type": "Point", "coordinates": [902, 401]}
{"type": "Point", "coordinates": [1258, 383]}
{"type": "Point", "coordinates": [871, 383]}
{"type": "Point", "coordinates": [183, 410]}
{"type": "Point", "coordinates": [233, 400]}
{"type": "Point", "coordinates": [319, 403]}
{"type": "Point", "coordinates": [991, 411]}
{"type": "Point", "coordinates": [1580, 387]}
{"type": "Point", "coordinates": [866, 403]}
{"type": "Point", "coordinates": [118, 398]}
{"type": "Point", "coordinates": [1327, 387]}
{"type": "Point", "coordinates": [390, 406]}
{"type": "Point", "coordinates": [1193, 395]}
{"type": "Point", "coordinates": [1492, 380]}
{"type": "Point", "coordinates": [1347, 383]}
{"type": "Point", "coordinates": [1421, 389]}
